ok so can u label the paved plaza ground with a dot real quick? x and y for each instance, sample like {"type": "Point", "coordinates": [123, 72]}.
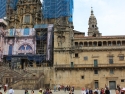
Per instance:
{"type": "Point", "coordinates": [58, 92]}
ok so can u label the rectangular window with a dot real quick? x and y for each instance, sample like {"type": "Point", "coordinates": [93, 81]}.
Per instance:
{"type": "Point", "coordinates": [11, 32]}
{"type": "Point", "coordinates": [26, 31]}
{"type": "Point", "coordinates": [111, 71]}
{"type": "Point", "coordinates": [76, 55]}
{"type": "Point", "coordinates": [122, 80]}
{"type": "Point", "coordinates": [72, 64]}
{"type": "Point", "coordinates": [76, 43]}
{"type": "Point", "coordinates": [95, 71]}
{"type": "Point", "coordinates": [111, 60]}
{"type": "Point", "coordinates": [95, 63]}
{"type": "Point", "coordinates": [85, 58]}
{"type": "Point", "coordinates": [27, 19]}
{"type": "Point", "coordinates": [82, 77]}
{"type": "Point", "coordinates": [10, 50]}
{"type": "Point", "coordinates": [121, 57]}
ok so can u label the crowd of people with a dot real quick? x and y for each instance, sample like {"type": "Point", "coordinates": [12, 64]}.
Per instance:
{"type": "Point", "coordinates": [69, 90]}
{"type": "Point", "coordinates": [65, 88]}
{"type": "Point", "coordinates": [11, 91]}
{"type": "Point", "coordinates": [105, 90]}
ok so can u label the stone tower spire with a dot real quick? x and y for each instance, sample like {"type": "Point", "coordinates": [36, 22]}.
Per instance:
{"type": "Point", "coordinates": [93, 29]}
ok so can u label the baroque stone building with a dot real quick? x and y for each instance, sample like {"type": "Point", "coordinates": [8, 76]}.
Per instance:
{"type": "Point", "coordinates": [92, 61]}
{"type": "Point", "coordinates": [77, 60]}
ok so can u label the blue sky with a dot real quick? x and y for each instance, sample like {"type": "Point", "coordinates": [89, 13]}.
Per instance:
{"type": "Point", "coordinates": [110, 15]}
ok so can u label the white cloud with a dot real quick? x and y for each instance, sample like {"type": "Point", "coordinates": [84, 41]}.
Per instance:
{"type": "Point", "coordinates": [110, 15]}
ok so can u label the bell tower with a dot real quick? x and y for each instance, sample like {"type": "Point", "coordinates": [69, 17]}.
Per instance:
{"type": "Point", "coordinates": [93, 29]}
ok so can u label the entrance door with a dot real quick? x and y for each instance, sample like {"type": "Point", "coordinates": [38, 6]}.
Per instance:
{"type": "Point", "coordinates": [95, 63]}
{"type": "Point", "coordinates": [96, 84]}
{"type": "Point", "coordinates": [112, 84]}
{"type": "Point", "coordinates": [22, 63]}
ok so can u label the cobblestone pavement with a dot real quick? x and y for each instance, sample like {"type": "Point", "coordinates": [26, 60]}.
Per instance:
{"type": "Point", "coordinates": [57, 92]}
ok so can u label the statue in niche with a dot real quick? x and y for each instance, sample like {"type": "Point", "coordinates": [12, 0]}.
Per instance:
{"type": "Point", "coordinates": [63, 39]}
{"type": "Point", "coordinates": [59, 39]}
{"type": "Point", "coordinates": [27, 9]}
{"type": "Point", "coordinates": [21, 11]}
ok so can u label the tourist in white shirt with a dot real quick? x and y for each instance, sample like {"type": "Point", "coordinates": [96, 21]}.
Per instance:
{"type": "Point", "coordinates": [83, 91]}
{"type": "Point", "coordinates": [11, 91]}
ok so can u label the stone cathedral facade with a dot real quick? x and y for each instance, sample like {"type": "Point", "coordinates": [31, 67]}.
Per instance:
{"type": "Point", "coordinates": [77, 60]}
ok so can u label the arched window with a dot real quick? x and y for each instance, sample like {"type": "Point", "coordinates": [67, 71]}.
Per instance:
{"type": "Point", "coordinates": [28, 47]}
{"type": "Point", "coordinates": [22, 47]}
{"type": "Point", "coordinates": [25, 47]}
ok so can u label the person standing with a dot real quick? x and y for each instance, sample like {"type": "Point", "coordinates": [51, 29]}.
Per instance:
{"type": "Point", "coordinates": [11, 91]}
{"type": "Point", "coordinates": [87, 91]}
{"type": "Point", "coordinates": [90, 91]}
{"type": "Point", "coordinates": [102, 91]}
{"type": "Point", "coordinates": [40, 91]}
{"type": "Point", "coordinates": [117, 91]}
{"type": "Point", "coordinates": [5, 88]}
{"type": "Point", "coordinates": [98, 90]}
{"type": "Point", "coordinates": [55, 88]}
{"type": "Point", "coordinates": [26, 92]}
{"type": "Point", "coordinates": [107, 91]}
{"type": "Point", "coordinates": [83, 91]}
{"type": "Point", "coordinates": [32, 91]}
{"type": "Point", "coordinates": [50, 92]}
{"type": "Point", "coordinates": [0, 86]}
{"type": "Point", "coordinates": [72, 89]}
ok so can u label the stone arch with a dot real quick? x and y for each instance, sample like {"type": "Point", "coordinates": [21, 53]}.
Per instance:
{"type": "Point", "coordinates": [86, 44]}
{"type": "Point", "coordinates": [109, 43]}
{"type": "Point", "coordinates": [99, 43]}
{"type": "Point", "coordinates": [95, 43]}
{"type": "Point", "coordinates": [118, 43]}
{"type": "Point", "coordinates": [114, 43]}
{"type": "Point", "coordinates": [25, 44]}
{"type": "Point", "coordinates": [90, 43]}
{"type": "Point", "coordinates": [80, 43]}
{"type": "Point", "coordinates": [22, 47]}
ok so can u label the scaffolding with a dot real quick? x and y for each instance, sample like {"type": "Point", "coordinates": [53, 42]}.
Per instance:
{"type": "Point", "coordinates": [2, 8]}
{"type": "Point", "coordinates": [41, 40]}
{"type": "Point", "coordinates": [5, 5]}
{"type": "Point", "coordinates": [58, 8]}
{"type": "Point", "coordinates": [13, 4]}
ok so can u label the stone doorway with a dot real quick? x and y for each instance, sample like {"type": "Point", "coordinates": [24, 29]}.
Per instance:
{"type": "Point", "coordinates": [112, 85]}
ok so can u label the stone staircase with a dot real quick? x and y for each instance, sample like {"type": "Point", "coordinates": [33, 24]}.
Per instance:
{"type": "Point", "coordinates": [21, 79]}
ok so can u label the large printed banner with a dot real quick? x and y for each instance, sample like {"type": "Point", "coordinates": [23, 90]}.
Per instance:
{"type": "Point", "coordinates": [22, 45]}
{"type": "Point", "coordinates": [49, 42]}
{"type": "Point", "coordinates": [23, 41]}
{"type": "Point", "coordinates": [21, 32]}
